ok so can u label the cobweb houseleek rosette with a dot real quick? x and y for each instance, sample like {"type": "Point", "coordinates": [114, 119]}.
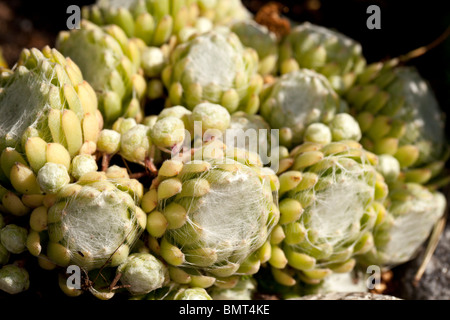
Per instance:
{"type": "Point", "coordinates": [265, 42]}
{"type": "Point", "coordinates": [336, 56]}
{"type": "Point", "coordinates": [152, 21]}
{"type": "Point", "coordinates": [50, 115]}
{"type": "Point", "coordinates": [110, 62]}
{"type": "Point", "coordinates": [399, 115]}
{"type": "Point", "coordinates": [214, 67]}
{"type": "Point", "coordinates": [296, 100]}
{"type": "Point", "coordinates": [411, 212]}
{"type": "Point", "coordinates": [143, 273]}
{"type": "Point", "coordinates": [330, 199]}
{"type": "Point", "coordinates": [14, 279]}
{"type": "Point", "coordinates": [207, 231]}
{"type": "Point", "coordinates": [91, 223]}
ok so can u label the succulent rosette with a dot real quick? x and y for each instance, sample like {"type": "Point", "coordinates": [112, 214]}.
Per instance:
{"type": "Point", "coordinates": [296, 100]}
{"type": "Point", "coordinates": [261, 39]}
{"type": "Point", "coordinates": [214, 67]}
{"type": "Point", "coordinates": [14, 279]}
{"type": "Point", "coordinates": [400, 116]}
{"type": "Point", "coordinates": [411, 213]}
{"type": "Point", "coordinates": [330, 200]}
{"type": "Point", "coordinates": [50, 116]}
{"type": "Point", "coordinates": [110, 62]}
{"type": "Point", "coordinates": [204, 232]}
{"type": "Point", "coordinates": [152, 21]}
{"type": "Point", "coordinates": [336, 56]}
{"type": "Point", "coordinates": [91, 223]}
{"type": "Point", "coordinates": [142, 273]}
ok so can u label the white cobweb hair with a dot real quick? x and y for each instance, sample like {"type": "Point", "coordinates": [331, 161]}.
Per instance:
{"type": "Point", "coordinates": [97, 223]}
{"type": "Point", "coordinates": [233, 217]}
{"type": "Point", "coordinates": [24, 103]}
{"type": "Point", "coordinates": [214, 59]}
{"type": "Point", "coordinates": [413, 221]}
{"type": "Point", "coordinates": [336, 211]}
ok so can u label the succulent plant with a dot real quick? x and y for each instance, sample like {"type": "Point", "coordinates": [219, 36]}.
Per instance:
{"type": "Point", "coordinates": [389, 167]}
{"type": "Point", "coordinates": [399, 115]}
{"type": "Point", "coordinates": [223, 12]}
{"type": "Point", "coordinates": [214, 67]}
{"type": "Point", "coordinates": [14, 279]}
{"type": "Point", "coordinates": [261, 39]}
{"type": "Point", "coordinates": [110, 62]}
{"type": "Point", "coordinates": [4, 255]}
{"type": "Point", "coordinates": [152, 21]}
{"type": "Point", "coordinates": [243, 290]}
{"type": "Point", "coordinates": [281, 163]}
{"type": "Point", "coordinates": [142, 273]}
{"type": "Point", "coordinates": [260, 140]}
{"type": "Point", "coordinates": [412, 211]}
{"type": "Point", "coordinates": [191, 294]}
{"type": "Point", "coordinates": [50, 116]}
{"type": "Point", "coordinates": [13, 238]}
{"type": "Point", "coordinates": [326, 51]}
{"type": "Point", "coordinates": [353, 281]}
{"type": "Point", "coordinates": [342, 127]}
{"type": "Point", "coordinates": [82, 164]}
{"type": "Point", "coordinates": [330, 200]}
{"type": "Point", "coordinates": [52, 177]}
{"type": "Point", "coordinates": [203, 229]}
{"type": "Point", "coordinates": [296, 100]}
{"type": "Point", "coordinates": [135, 144]}
{"type": "Point", "coordinates": [90, 223]}
{"type": "Point", "coordinates": [176, 127]}
{"type": "Point", "coordinates": [130, 140]}
{"type": "Point", "coordinates": [169, 131]}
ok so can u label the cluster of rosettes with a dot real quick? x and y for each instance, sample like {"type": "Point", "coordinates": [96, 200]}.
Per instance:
{"type": "Point", "coordinates": [126, 152]}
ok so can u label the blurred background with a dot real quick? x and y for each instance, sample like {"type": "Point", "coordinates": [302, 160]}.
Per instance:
{"type": "Point", "coordinates": [405, 26]}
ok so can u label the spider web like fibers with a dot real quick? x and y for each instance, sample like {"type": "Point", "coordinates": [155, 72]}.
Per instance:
{"type": "Point", "coordinates": [212, 60]}
{"type": "Point", "coordinates": [95, 61]}
{"type": "Point", "coordinates": [24, 102]}
{"type": "Point", "coordinates": [338, 207]}
{"type": "Point", "coordinates": [303, 97]}
{"type": "Point", "coordinates": [97, 226]}
{"type": "Point", "coordinates": [413, 227]}
{"type": "Point", "coordinates": [233, 215]}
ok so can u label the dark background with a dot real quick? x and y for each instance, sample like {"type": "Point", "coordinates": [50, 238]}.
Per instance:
{"type": "Point", "coordinates": [405, 26]}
